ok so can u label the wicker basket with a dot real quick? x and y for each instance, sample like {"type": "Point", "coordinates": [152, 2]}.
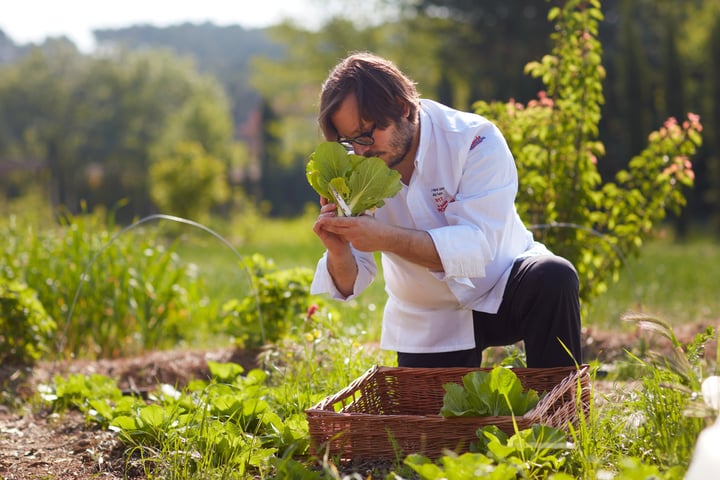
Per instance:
{"type": "Point", "coordinates": [391, 411]}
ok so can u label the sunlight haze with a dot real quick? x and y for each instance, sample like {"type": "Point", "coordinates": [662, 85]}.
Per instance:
{"type": "Point", "coordinates": [32, 21]}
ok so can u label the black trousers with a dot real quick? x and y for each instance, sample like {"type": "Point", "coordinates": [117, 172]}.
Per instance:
{"type": "Point", "coordinates": [540, 307]}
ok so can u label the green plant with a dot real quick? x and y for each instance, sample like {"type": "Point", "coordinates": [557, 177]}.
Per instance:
{"type": "Point", "coordinates": [112, 294]}
{"type": "Point", "coordinates": [555, 143]}
{"type": "Point", "coordinates": [225, 427]}
{"type": "Point", "coordinates": [26, 329]}
{"type": "Point", "coordinates": [494, 393]}
{"type": "Point", "coordinates": [364, 183]}
{"type": "Point", "coordinates": [536, 452]}
{"type": "Point", "coordinates": [188, 182]}
{"type": "Point", "coordinates": [96, 396]}
{"type": "Point", "coordinates": [283, 297]}
{"type": "Point", "coordinates": [653, 425]}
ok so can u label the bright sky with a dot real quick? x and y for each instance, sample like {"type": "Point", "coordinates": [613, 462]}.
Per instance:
{"type": "Point", "coordinates": [26, 21]}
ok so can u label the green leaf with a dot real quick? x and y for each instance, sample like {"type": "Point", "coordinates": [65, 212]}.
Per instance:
{"type": "Point", "coordinates": [371, 181]}
{"type": "Point", "coordinates": [364, 183]}
{"type": "Point", "coordinates": [330, 160]}
{"type": "Point", "coordinates": [152, 416]}
{"type": "Point", "coordinates": [225, 372]}
{"type": "Point", "coordinates": [495, 393]}
{"type": "Point", "coordinates": [455, 402]}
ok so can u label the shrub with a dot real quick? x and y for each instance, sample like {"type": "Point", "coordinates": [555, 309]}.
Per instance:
{"type": "Point", "coordinates": [281, 297]}
{"type": "Point", "coordinates": [25, 327]}
{"type": "Point", "coordinates": [555, 143]}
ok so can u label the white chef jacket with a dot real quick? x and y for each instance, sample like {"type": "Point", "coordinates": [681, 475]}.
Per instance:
{"type": "Point", "coordinates": [462, 192]}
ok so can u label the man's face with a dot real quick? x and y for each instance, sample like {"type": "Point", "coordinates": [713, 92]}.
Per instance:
{"type": "Point", "coordinates": [391, 144]}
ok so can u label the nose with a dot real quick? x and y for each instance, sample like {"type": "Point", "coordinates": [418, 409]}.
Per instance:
{"type": "Point", "coordinates": [361, 149]}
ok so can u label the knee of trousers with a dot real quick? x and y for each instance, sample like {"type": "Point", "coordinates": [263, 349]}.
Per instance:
{"type": "Point", "coordinates": [556, 273]}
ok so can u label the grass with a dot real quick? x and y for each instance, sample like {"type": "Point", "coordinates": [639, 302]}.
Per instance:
{"type": "Point", "coordinates": [676, 281]}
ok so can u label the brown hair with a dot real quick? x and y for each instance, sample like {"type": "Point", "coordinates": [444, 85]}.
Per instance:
{"type": "Point", "coordinates": [383, 92]}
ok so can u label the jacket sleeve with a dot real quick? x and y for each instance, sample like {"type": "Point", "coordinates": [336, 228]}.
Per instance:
{"type": "Point", "coordinates": [323, 282]}
{"type": "Point", "coordinates": [482, 215]}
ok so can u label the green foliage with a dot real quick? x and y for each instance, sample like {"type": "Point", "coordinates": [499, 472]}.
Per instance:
{"type": "Point", "coordinates": [127, 293]}
{"type": "Point", "coordinates": [652, 424]}
{"type": "Point", "coordinates": [539, 450]}
{"type": "Point", "coordinates": [364, 183]}
{"type": "Point", "coordinates": [97, 122]}
{"type": "Point", "coordinates": [26, 329]}
{"type": "Point", "coordinates": [462, 467]}
{"type": "Point", "coordinates": [555, 142]}
{"type": "Point", "coordinates": [536, 452]}
{"type": "Point", "coordinates": [228, 425]}
{"type": "Point", "coordinates": [97, 396]}
{"type": "Point", "coordinates": [188, 182]}
{"type": "Point", "coordinates": [498, 392]}
{"type": "Point", "coordinates": [631, 468]}
{"type": "Point", "coordinates": [278, 300]}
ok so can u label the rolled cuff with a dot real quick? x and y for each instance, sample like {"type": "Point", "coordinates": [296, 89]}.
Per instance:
{"type": "Point", "coordinates": [323, 283]}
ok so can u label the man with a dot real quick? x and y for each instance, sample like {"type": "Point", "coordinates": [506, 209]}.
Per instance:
{"type": "Point", "coordinates": [462, 272]}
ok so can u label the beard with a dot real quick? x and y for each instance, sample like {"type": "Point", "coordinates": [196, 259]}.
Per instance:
{"type": "Point", "coordinates": [400, 144]}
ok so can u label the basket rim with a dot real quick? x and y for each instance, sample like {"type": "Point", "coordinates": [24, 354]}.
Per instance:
{"type": "Point", "coordinates": [354, 434]}
{"type": "Point", "coordinates": [325, 406]}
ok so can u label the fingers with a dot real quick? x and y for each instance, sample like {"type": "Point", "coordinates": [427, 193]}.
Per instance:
{"type": "Point", "coordinates": [328, 208]}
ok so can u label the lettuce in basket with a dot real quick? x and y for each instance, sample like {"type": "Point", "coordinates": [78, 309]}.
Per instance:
{"type": "Point", "coordinates": [498, 392]}
{"type": "Point", "coordinates": [363, 182]}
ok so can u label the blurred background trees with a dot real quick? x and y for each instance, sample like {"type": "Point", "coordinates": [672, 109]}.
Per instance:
{"type": "Point", "coordinates": [90, 128]}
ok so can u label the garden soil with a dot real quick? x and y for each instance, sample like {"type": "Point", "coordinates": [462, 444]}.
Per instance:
{"type": "Point", "coordinates": [38, 444]}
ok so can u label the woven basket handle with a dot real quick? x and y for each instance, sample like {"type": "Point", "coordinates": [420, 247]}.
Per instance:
{"type": "Point", "coordinates": [349, 391]}
{"type": "Point", "coordinates": [558, 418]}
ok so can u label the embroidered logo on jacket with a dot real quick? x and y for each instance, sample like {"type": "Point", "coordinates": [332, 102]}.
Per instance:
{"type": "Point", "coordinates": [442, 198]}
{"type": "Point", "coordinates": [476, 141]}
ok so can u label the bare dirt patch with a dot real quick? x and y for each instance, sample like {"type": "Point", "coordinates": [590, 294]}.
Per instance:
{"type": "Point", "coordinates": [36, 444]}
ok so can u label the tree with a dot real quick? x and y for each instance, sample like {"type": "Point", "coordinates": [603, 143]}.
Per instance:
{"type": "Point", "coordinates": [189, 182]}
{"type": "Point", "coordinates": [39, 114]}
{"type": "Point", "coordinates": [555, 142]}
{"type": "Point", "coordinates": [98, 122]}
{"type": "Point", "coordinates": [486, 44]}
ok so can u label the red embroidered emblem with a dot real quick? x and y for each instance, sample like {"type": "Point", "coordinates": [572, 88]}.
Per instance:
{"type": "Point", "coordinates": [442, 198]}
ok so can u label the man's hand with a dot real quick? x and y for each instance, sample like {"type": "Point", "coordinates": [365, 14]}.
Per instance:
{"type": "Point", "coordinates": [333, 242]}
{"type": "Point", "coordinates": [367, 234]}
{"type": "Point", "coordinates": [364, 232]}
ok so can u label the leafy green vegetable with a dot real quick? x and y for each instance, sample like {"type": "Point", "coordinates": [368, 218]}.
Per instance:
{"type": "Point", "coordinates": [363, 182]}
{"type": "Point", "coordinates": [495, 393]}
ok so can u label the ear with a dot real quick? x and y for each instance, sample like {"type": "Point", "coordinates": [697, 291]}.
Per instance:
{"type": "Point", "coordinates": [406, 109]}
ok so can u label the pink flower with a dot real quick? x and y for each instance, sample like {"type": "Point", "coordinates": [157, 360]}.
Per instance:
{"type": "Point", "coordinates": [695, 121]}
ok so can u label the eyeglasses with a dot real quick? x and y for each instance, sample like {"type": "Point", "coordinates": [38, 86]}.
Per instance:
{"type": "Point", "coordinates": [365, 138]}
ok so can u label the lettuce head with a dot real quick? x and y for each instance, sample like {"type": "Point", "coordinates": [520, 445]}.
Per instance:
{"type": "Point", "coordinates": [363, 182]}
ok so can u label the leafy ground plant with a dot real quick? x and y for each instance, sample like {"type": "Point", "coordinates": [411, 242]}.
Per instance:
{"type": "Point", "coordinates": [536, 452]}
{"type": "Point", "coordinates": [221, 428]}
{"type": "Point", "coordinates": [25, 327]}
